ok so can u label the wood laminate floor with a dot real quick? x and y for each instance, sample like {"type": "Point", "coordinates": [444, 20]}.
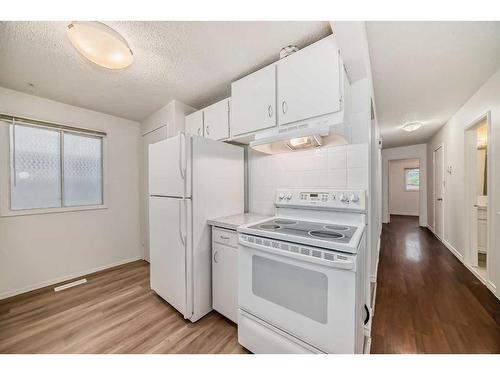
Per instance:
{"type": "Point", "coordinates": [427, 300]}
{"type": "Point", "coordinates": [115, 312]}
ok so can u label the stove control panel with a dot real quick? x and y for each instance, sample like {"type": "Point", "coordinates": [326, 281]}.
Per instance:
{"type": "Point", "coordinates": [349, 200]}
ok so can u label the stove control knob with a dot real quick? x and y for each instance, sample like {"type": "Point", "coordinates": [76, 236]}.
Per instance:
{"type": "Point", "coordinates": [354, 198]}
{"type": "Point", "coordinates": [282, 196]}
{"type": "Point", "coordinates": [288, 196]}
{"type": "Point", "coordinates": [343, 198]}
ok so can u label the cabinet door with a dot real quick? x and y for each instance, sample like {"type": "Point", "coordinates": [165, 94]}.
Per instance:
{"type": "Point", "coordinates": [216, 120]}
{"type": "Point", "coordinates": [225, 280]}
{"type": "Point", "coordinates": [194, 123]}
{"type": "Point", "coordinates": [309, 82]}
{"type": "Point", "coordinates": [253, 102]}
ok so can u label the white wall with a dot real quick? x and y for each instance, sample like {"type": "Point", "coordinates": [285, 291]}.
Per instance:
{"type": "Point", "coordinates": [486, 99]}
{"type": "Point", "coordinates": [335, 167]}
{"type": "Point", "coordinates": [38, 250]}
{"type": "Point", "coordinates": [170, 116]}
{"type": "Point", "coordinates": [405, 152]}
{"type": "Point", "coordinates": [353, 43]}
{"type": "Point", "coordinates": [402, 201]}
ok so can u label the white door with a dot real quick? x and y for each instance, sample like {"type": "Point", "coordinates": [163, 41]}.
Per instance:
{"type": "Point", "coordinates": [216, 120]}
{"type": "Point", "coordinates": [169, 167]}
{"type": "Point", "coordinates": [168, 228]}
{"type": "Point", "coordinates": [253, 102]}
{"type": "Point", "coordinates": [225, 280]}
{"type": "Point", "coordinates": [194, 123]}
{"type": "Point", "coordinates": [439, 192]}
{"type": "Point", "coordinates": [309, 82]}
{"type": "Point", "coordinates": [147, 139]}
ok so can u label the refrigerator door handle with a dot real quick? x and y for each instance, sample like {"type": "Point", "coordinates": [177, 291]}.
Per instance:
{"type": "Point", "coordinates": [183, 240]}
{"type": "Point", "coordinates": [182, 166]}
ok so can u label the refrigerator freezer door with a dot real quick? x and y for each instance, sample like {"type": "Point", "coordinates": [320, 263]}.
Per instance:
{"type": "Point", "coordinates": [170, 167]}
{"type": "Point", "coordinates": [169, 238]}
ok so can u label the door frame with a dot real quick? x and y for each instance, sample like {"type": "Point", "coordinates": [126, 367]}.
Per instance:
{"type": "Point", "coordinates": [144, 187]}
{"type": "Point", "coordinates": [439, 146]}
{"type": "Point", "coordinates": [404, 182]}
{"type": "Point", "coordinates": [468, 223]}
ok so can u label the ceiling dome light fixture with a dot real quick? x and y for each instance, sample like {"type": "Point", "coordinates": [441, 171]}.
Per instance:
{"type": "Point", "coordinates": [412, 126]}
{"type": "Point", "coordinates": [100, 44]}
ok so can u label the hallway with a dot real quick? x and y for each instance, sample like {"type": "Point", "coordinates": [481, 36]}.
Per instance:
{"type": "Point", "coordinates": [427, 300]}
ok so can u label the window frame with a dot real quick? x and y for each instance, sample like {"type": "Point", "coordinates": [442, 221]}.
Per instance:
{"type": "Point", "coordinates": [406, 170]}
{"type": "Point", "coordinates": [6, 156]}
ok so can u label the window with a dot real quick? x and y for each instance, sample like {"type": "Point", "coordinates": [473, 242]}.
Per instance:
{"type": "Point", "coordinates": [53, 168]}
{"type": "Point", "coordinates": [412, 179]}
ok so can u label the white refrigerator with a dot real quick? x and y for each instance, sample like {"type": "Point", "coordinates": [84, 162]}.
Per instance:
{"type": "Point", "coordinates": [191, 179]}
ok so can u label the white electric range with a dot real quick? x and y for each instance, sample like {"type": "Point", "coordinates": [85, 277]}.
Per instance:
{"type": "Point", "coordinates": [302, 274]}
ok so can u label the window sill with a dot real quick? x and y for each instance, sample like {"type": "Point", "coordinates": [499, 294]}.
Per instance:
{"type": "Point", "coordinates": [42, 211]}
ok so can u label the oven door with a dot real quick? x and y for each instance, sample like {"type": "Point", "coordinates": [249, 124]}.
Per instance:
{"type": "Point", "coordinates": [311, 299]}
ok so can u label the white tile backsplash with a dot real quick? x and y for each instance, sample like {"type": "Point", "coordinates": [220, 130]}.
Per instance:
{"type": "Point", "coordinates": [357, 178]}
{"type": "Point", "coordinates": [337, 178]}
{"type": "Point", "coordinates": [337, 157]}
{"type": "Point", "coordinates": [357, 156]}
{"type": "Point", "coordinates": [336, 166]}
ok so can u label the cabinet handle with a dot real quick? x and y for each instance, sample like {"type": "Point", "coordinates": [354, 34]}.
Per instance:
{"type": "Point", "coordinates": [207, 128]}
{"type": "Point", "coordinates": [270, 111]}
{"type": "Point", "coordinates": [215, 257]}
{"type": "Point", "coordinates": [224, 238]}
{"type": "Point", "coordinates": [284, 107]}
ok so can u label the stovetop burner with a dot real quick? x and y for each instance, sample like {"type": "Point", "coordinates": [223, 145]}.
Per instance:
{"type": "Point", "coordinates": [323, 234]}
{"type": "Point", "coordinates": [306, 229]}
{"type": "Point", "coordinates": [269, 226]}
{"type": "Point", "coordinates": [336, 227]}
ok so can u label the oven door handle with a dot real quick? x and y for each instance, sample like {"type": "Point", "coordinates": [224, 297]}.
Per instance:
{"type": "Point", "coordinates": [341, 264]}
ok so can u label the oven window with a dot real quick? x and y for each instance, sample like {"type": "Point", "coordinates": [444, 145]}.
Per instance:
{"type": "Point", "coordinates": [295, 288]}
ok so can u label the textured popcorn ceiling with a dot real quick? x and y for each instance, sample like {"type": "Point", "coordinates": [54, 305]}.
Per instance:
{"type": "Point", "coordinates": [425, 71]}
{"type": "Point", "coordinates": [194, 62]}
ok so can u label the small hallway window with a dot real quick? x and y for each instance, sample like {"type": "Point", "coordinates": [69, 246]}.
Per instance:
{"type": "Point", "coordinates": [412, 179]}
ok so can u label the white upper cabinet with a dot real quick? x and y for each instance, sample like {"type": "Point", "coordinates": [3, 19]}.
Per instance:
{"type": "Point", "coordinates": [216, 120]}
{"type": "Point", "coordinates": [309, 82]}
{"type": "Point", "coordinates": [253, 102]}
{"type": "Point", "coordinates": [194, 123]}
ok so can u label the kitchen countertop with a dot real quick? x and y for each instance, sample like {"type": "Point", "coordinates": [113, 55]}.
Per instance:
{"type": "Point", "coordinates": [234, 221]}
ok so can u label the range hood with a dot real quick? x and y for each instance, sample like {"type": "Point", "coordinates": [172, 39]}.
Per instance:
{"type": "Point", "coordinates": [323, 131]}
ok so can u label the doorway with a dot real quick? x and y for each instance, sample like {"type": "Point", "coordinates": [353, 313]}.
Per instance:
{"type": "Point", "coordinates": [404, 187]}
{"type": "Point", "coordinates": [148, 138]}
{"type": "Point", "coordinates": [476, 197]}
{"type": "Point", "coordinates": [438, 191]}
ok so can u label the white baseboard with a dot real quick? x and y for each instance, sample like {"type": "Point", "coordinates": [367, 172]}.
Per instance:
{"type": "Point", "coordinates": [373, 277]}
{"type": "Point", "coordinates": [453, 250]}
{"type": "Point", "coordinates": [57, 280]}
{"type": "Point", "coordinates": [404, 213]}
{"type": "Point", "coordinates": [492, 287]}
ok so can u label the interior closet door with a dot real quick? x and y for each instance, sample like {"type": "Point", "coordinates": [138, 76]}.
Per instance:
{"type": "Point", "coordinates": [148, 138]}
{"type": "Point", "coordinates": [439, 192]}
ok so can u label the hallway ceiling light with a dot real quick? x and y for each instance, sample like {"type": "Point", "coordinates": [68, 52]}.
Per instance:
{"type": "Point", "coordinates": [100, 44]}
{"type": "Point", "coordinates": [411, 126]}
